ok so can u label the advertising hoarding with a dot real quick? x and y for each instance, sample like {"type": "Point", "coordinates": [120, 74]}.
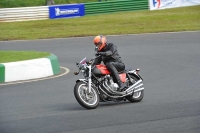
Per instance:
{"type": "Point", "coordinates": [163, 4]}
{"type": "Point", "coordinates": [66, 11]}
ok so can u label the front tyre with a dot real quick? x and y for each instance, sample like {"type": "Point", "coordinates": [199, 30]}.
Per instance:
{"type": "Point", "coordinates": [88, 101]}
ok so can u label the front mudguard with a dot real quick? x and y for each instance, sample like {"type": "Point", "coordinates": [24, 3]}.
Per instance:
{"type": "Point", "coordinates": [83, 80]}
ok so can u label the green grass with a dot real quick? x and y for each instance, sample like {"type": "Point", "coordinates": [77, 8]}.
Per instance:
{"type": "Point", "coordinates": [169, 20]}
{"type": "Point", "coordinates": [28, 3]}
{"type": "Point", "coordinates": [12, 56]}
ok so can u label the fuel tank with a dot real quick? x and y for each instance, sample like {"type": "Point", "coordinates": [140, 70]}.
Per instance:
{"type": "Point", "coordinates": [99, 70]}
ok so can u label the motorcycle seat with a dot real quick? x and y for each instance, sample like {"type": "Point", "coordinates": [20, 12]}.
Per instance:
{"type": "Point", "coordinates": [119, 72]}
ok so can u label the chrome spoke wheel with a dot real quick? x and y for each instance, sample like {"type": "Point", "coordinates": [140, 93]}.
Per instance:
{"type": "Point", "coordinates": [137, 94]}
{"type": "Point", "coordinates": [87, 98]}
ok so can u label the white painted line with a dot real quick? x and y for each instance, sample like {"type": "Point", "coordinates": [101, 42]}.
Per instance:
{"type": "Point", "coordinates": [20, 82]}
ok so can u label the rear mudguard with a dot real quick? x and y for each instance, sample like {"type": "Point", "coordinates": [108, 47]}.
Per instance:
{"type": "Point", "coordinates": [133, 73]}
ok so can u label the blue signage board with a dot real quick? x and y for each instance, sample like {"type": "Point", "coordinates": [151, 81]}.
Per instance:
{"type": "Point", "coordinates": [66, 11]}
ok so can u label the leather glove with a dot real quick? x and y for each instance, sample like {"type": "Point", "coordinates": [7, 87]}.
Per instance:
{"type": "Point", "coordinates": [100, 53]}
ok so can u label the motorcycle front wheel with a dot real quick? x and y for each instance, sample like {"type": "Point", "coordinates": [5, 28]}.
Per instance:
{"type": "Point", "coordinates": [85, 99]}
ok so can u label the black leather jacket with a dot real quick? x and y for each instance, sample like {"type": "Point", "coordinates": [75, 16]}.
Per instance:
{"type": "Point", "coordinates": [111, 55]}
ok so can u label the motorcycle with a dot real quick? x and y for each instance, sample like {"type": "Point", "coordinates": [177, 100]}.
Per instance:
{"type": "Point", "coordinates": [98, 85]}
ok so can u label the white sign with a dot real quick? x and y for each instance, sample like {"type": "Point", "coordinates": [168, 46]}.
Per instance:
{"type": "Point", "coordinates": [163, 4]}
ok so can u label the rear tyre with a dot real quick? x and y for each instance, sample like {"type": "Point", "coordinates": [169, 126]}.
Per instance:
{"type": "Point", "coordinates": [88, 101]}
{"type": "Point", "coordinates": [137, 96]}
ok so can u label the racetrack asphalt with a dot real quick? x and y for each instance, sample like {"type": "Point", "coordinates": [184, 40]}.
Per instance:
{"type": "Point", "coordinates": [169, 64]}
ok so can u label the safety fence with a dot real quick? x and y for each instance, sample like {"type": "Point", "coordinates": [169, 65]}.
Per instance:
{"type": "Point", "coordinates": [115, 6]}
{"type": "Point", "coordinates": [24, 14]}
{"type": "Point", "coordinates": [43, 12]}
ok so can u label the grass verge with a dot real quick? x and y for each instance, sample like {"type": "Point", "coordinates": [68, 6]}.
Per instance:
{"type": "Point", "coordinates": [12, 56]}
{"type": "Point", "coordinates": [28, 3]}
{"type": "Point", "coordinates": [168, 20]}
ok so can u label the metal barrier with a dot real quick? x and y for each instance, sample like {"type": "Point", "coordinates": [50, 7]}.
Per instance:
{"type": "Point", "coordinates": [24, 14]}
{"type": "Point", "coordinates": [42, 12]}
{"type": "Point", "coordinates": [115, 6]}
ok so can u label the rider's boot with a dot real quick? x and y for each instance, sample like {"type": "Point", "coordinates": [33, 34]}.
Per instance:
{"type": "Point", "coordinates": [115, 75]}
{"type": "Point", "coordinates": [121, 85]}
{"type": "Point", "coordinates": [119, 82]}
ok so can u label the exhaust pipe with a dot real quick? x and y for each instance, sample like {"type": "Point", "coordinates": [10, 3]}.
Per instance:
{"type": "Point", "coordinates": [131, 88]}
{"type": "Point", "coordinates": [114, 95]}
{"type": "Point", "coordinates": [129, 91]}
{"type": "Point", "coordinates": [138, 90]}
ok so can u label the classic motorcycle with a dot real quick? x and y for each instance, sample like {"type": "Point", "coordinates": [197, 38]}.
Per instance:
{"type": "Point", "coordinates": [98, 85]}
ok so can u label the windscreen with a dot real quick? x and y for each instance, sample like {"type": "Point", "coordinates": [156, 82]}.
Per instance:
{"type": "Point", "coordinates": [83, 61]}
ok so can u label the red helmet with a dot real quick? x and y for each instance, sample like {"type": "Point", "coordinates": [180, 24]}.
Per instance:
{"type": "Point", "coordinates": [100, 42]}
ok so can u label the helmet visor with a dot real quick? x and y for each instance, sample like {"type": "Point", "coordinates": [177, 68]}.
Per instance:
{"type": "Point", "coordinates": [98, 44]}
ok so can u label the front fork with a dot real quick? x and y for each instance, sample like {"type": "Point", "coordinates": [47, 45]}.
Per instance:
{"type": "Point", "coordinates": [89, 79]}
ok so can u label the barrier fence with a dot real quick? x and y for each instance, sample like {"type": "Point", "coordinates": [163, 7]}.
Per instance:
{"type": "Point", "coordinates": [43, 12]}
{"type": "Point", "coordinates": [24, 14]}
{"type": "Point", "coordinates": [115, 6]}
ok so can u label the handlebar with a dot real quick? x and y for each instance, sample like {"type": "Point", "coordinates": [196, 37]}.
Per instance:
{"type": "Point", "coordinates": [87, 62]}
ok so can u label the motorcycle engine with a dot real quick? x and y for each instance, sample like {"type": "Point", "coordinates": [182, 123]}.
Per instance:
{"type": "Point", "coordinates": [112, 85]}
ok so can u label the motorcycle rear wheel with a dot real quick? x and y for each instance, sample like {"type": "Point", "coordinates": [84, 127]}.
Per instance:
{"type": "Point", "coordinates": [135, 97]}
{"type": "Point", "coordinates": [88, 101]}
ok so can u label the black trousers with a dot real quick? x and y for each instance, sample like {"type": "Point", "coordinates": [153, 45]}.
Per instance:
{"type": "Point", "coordinates": [115, 67]}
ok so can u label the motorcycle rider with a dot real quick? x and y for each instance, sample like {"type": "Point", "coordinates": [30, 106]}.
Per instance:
{"type": "Point", "coordinates": [110, 57]}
